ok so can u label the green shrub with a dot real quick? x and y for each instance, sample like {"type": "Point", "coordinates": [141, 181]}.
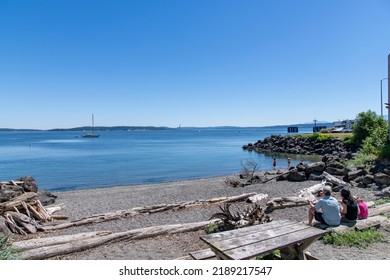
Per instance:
{"type": "Point", "coordinates": [6, 251]}
{"type": "Point", "coordinates": [354, 238]}
{"type": "Point", "coordinates": [361, 159]}
{"type": "Point", "coordinates": [319, 137]}
{"type": "Point", "coordinates": [384, 152]}
{"type": "Point", "coordinates": [211, 228]}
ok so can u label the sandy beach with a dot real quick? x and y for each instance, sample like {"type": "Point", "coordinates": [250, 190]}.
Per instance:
{"type": "Point", "coordinates": [84, 203]}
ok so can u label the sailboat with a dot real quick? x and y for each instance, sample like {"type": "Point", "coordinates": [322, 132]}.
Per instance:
{"type": "Point", "coordinates": [91, 134]}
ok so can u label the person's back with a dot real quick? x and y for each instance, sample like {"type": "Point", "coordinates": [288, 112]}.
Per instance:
{"type": "Point", "coordinates": [330, 210]}
{"type": "Point", "coordinates": [363, 210]}
{"type": "Point", "coordinates": [350, 209]}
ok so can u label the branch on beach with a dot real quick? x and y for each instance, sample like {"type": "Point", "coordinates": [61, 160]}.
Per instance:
{"type": "Point", "coordinates": [98, 218]}
{"type": "Point", "coordinates": [241, 218]}
{"type": "Point", "coordinates": [247, 176]}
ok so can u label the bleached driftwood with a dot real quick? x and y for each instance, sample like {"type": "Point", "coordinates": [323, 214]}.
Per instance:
{"type": "Point", "coordinates": [85, 244]}
{"type": "Point", "coordinates": [285, 202]}
{"type": "Point", "coordinates": [98, 218]}
{"type": "Point", "coordinates": [26, 223]}
{"type": "Point", "coordinates": [310, 192]}
{"type": "Point", "coordinates": [335, 181]}
{"type": "Point", "coordinates": [4, 230]}
{"type": "Point", "coordinates": [55, 240]}
{"type": "Point", "coordinates": [370, 222]}
{"type": "Point", "coordinates": [17, 202]}
{"type": "Point", "coordinates": [53, 209]}
{"type": "Point", "coordinates": [377, 210]}
{"type": "Point", "coordinates": [275, 177]}
{"type": "Point", "coordinates": [256, 198]}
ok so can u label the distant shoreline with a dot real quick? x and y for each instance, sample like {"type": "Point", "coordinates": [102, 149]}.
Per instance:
{"type": "Point", "coordinates": [125, 128]}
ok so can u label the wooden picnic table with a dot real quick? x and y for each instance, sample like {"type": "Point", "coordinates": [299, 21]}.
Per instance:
{"type": "Point", "coordinates": [291, 238]}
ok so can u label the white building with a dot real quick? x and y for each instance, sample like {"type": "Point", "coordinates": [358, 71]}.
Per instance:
{"type": "Point", "coordinates": [343, 126]}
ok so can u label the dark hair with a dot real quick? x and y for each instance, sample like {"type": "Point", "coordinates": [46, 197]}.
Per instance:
{"type": "Point", "coordinates": [345, 193]}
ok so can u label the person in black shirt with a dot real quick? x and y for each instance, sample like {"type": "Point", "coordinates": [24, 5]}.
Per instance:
{"type": "Point", "coordinates": [350, 209]}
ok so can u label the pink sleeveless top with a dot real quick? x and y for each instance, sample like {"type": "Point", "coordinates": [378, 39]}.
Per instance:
{"type": "Point", "coordinates": [363, 210]}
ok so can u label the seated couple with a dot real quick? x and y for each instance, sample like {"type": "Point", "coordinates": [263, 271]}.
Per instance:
{"type": "Point", "coordinates": [329, 211]}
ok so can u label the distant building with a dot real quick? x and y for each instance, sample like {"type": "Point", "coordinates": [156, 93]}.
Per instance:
{"type": "Point", "coordinates": [343, 126]}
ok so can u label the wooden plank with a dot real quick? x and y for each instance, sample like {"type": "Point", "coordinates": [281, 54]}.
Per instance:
{"type": "Point", "coordinates": [204, 254]}
{"type": "Point", "coordinates": [244, 231]}
{"type": "Point", "coordinates": [256, 237]}
{"type": "Point", "coordinates": [267, 246]}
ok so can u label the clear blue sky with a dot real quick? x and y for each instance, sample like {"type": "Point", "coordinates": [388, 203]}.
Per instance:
{"type": "Point", "coordinates": [194, 63]}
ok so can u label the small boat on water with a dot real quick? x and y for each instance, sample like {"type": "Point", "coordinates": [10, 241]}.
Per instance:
{"type": "Point", "coordinates": [92, 134]}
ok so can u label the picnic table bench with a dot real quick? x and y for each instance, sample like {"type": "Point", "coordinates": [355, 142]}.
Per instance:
{"type": "Point", "coordinates": [291, 238]}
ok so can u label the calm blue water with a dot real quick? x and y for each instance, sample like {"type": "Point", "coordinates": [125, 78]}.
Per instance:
{"type": "Point", "coordinates": [64, 160]}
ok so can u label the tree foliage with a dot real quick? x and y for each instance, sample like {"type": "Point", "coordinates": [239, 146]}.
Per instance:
{"type": "Point", "coordinates": [371, 129]}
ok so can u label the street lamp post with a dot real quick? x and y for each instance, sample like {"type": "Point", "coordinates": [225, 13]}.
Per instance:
{"type": "Point", "coordinates": [382, 97]}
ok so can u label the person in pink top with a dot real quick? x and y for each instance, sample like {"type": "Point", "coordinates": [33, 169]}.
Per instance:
{"type": "Point", "coordinates": [363, 209]}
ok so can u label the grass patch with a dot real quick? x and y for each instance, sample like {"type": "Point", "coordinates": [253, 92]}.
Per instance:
{"type": "Point", "coordinates": [275, 255]}
{"type": "Point", "coordinates": [354, 238]}
{"type": "Point", "coordinates": [323, 136]}
{"type": "Point", "coordinates": [361, 159]}
{"type": "Point", "coordinates": [6, 251]}
{"type": "Point", "coordinates": [382, 201]}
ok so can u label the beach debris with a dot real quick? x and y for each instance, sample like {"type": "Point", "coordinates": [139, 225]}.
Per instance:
{"type": "Point", "coordinates": [241, 217]}
{"type": "Point", "coordinates": [312, 192]}
{"type": "Point", "coordinates": [128, 213]}
{"type": "Point", "coordinates": [337, 184]}
{"type": "Point", "coordinates": [247, 176]}
{"type": "Point", "coordinates": [256, 198]}
{"type": "Point", "coordinates": [62, 245]}
{"type": "Point", "coordinates": [285, 202]}
{"type": "Point", "coordinates": [21, 208]}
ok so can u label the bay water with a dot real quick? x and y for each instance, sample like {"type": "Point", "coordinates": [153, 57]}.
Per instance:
{"type": "Point", "coordinates": [63, 160]}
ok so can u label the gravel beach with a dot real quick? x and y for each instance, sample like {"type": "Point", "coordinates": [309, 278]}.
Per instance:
{"type": "Point", "coordinates": [84, 203]}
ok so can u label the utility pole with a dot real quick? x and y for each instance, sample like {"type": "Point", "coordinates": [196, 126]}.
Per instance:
{"type": "Point", "coordinates": [382, 97]}
{"type": "Point", "coordinates": [388, 95]}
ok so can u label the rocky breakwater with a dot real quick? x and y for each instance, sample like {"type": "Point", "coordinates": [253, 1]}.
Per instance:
{"type": "Point", "coordinates": [301, 145]}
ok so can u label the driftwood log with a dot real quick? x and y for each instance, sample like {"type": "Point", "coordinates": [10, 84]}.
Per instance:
{"type": "Point", "coordinates": [338, 184]}
{"type": "Point", "coordinates": [285, 202]}
{"type": "Point", "coordinates": [275, 177]}
{"type": "Point", "coordinates": [377, 210]}
{"type": "Point", "coordinates": [30, 244]}
{"type": "Point", "coordinates": [311, 192]}
{"type": "Point", "coordinates": [370, 222]}
{"type": "Point", "coordinates": [44, 252]}
{"type": "Point", "coordinates": [98, 218]}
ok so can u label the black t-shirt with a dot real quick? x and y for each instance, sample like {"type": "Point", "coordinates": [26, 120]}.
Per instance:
{"type": "Point", "coordinates": [352, 209]}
